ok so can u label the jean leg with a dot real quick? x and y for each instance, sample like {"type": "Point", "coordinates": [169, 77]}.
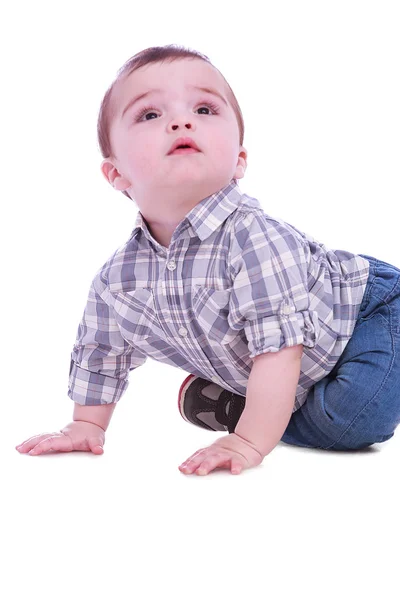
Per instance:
{"type": "Point", "coordinates": [358, 403]}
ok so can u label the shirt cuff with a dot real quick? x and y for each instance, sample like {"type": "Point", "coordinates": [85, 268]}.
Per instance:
{"type": "Point", "coordinates": [88, 388]}
{"type": "Point", "coordinates": [288, 328]}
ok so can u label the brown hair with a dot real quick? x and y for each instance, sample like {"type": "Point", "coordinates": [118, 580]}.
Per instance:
{"type": "Point", "coordinates": [151, 55]}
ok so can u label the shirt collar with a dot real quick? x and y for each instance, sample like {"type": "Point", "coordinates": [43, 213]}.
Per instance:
{"type": "Point", "coordinates": [207, 215]}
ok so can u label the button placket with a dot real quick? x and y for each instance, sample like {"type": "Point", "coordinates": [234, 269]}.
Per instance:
{"type": "Point", "coordinates": [182, 331]}
{"type": "Point", "coordinates": [171, 266]}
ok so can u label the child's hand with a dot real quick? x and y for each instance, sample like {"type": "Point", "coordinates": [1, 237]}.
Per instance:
{"type": "Point", "coordinates": [230, 451]}
{"type": "Point", "coordinates": [78, 435]}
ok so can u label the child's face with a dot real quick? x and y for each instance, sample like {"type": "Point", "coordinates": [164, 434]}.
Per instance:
{"type": "Point", "coordinates": [141, 140]}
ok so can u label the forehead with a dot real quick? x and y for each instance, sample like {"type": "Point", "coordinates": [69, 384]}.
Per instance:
{"type": "Point", "coordinates": [167, 75]}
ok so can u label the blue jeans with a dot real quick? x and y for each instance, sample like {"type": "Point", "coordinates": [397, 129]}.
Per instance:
{"type": "Point", "coordinates": [358, 403]}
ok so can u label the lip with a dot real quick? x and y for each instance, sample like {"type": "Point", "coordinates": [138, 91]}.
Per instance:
{"type": "Point", "coordinates": [184, 141]}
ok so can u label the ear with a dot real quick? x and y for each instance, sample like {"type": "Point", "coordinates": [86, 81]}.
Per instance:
{"type": "Point", "coordinates": [113, 176]}
{"type": "Point", "coordinates": [241, 164]}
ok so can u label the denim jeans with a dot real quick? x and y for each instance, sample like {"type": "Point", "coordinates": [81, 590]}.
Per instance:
{"type": "Point", "coordinates": [358, 403]}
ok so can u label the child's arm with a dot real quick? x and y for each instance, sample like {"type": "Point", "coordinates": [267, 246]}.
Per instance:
{"type": "Point", "coordinates": [270, 398]}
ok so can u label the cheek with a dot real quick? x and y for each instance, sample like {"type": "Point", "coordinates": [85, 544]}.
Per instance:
{"type": "Point", "coordinates": [140, 157]}
{"type": "Point", "coordinates": [225, 139]}
{"type": "Point", "coordinates": [224, 151]}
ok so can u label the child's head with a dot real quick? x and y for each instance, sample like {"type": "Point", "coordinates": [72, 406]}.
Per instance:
{"type": "Point", "coordinates": [135, 138]}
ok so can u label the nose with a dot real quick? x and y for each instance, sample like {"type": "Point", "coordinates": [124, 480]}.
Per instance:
{"type": "Point", "coordinates": [179, 122]}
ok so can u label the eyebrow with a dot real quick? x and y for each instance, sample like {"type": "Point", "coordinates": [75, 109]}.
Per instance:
{"type": "Point", "coordinates": [158, 90]}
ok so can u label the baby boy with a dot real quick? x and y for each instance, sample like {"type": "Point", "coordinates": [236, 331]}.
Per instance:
{"type": "Point", "coordinates": [207, 282]}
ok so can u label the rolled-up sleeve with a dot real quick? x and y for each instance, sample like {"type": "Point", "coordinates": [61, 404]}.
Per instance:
{"type": "Point", "coordinates": [101, 358]}
{"type": "Point", "coordinates": [269, 297]}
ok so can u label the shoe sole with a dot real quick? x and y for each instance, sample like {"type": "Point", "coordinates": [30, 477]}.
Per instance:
{"type": "Point", "coordinates": [181, 395]}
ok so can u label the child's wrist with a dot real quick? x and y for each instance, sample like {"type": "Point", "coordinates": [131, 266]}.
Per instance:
{"type": "Point", "coordinates": [97, 415]}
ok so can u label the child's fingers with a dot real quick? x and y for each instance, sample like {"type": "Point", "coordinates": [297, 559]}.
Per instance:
{"type": "Point", "coordinates": [57, 442]}
{"type": "Point", "coordinates": [236, 466]}
{"type": "Point", "coordinates": [193, 460]}
{"type": "Point", "coordinates": [195, 455]}
{"type": "Point", "coordinates": [96, 445]}
{"type": "Point", "coordinates": [220, 459]}
{"type": "Point", "coordinates": [191, 463]}
{"type": "Point", "coordinates": [205, 462]}
{"type": "Point", "coordinates": [32, 442]}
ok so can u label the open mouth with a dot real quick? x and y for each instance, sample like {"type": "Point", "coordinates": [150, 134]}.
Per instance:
{"type": "Point", "coordinates": [184, 150]}
{"type": "Point", "coordinates": [184, 145]}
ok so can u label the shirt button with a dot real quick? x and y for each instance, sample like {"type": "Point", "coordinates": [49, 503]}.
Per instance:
{"type": "Point", "coordinates": [171, 265]}
{"type": "Point", "coordinates": [215, 379]}
{"type": "Point", "coordinates": [287, 310]}
{"type": "Point", "coordinates": [182, 331]}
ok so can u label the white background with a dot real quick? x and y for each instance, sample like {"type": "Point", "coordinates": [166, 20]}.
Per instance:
{"type": "Point", "coordinates": [318, 84]}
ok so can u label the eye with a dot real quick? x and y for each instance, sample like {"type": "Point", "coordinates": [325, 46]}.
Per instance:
{"type": "Point", "coordinates": [147, 109]}
{"type": "Point", "coordinates": [150, 110]}
{"type": "Point", "coordinates": [209, 106]}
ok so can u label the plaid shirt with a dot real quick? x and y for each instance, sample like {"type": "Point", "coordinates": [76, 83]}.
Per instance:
{"type": "Point", "coordinates": [233, 283]}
